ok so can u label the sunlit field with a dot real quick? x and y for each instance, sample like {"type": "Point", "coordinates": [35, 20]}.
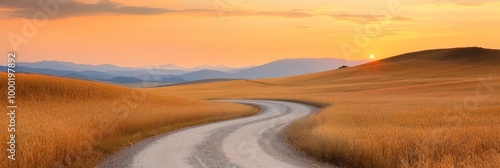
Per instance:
{"type": "Point", "coordinates": [417, 132]}
{"type": "Point", "coordinates": [73, 123]}
{"type": "Point", "coordinates": [438, 108]}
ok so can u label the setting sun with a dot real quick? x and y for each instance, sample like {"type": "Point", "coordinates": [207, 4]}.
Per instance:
{"type": "Point", "coordinates": [372, 56]}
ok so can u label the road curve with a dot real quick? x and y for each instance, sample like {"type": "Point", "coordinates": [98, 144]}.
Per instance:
{"type": "Point", "coordinates": [254, 141]}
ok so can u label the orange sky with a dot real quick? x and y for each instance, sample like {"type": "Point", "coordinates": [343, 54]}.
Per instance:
{"type": "Point", "coordinates": [190, 33]}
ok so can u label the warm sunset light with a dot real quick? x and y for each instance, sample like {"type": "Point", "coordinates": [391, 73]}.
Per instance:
{"type": "Point", "coordinates": [297, 83]}
{"type": "Point", "coordinates": [190, 33]}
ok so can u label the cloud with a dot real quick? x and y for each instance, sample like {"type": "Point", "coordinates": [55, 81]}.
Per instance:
{"type": "Point", "coordinates": [303, 28]}
{"type": "Point", "coordinates": [469, 3]}
{"type": "Point", "coordinates": [27, 8]}
{"type": "Point", "coordinates": [206, 12]}
{"type": "Point", "coordinates": [460, 2]}
{"type": "Point", "coordinates": [363, 18]}
{"type": "Point", "coordinates": [289, 14]}
{"type": "Point", "coordinates": [305, 10]}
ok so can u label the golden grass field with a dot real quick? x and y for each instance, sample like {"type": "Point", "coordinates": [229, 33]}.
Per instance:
{"type": "Point", "coordinates": [73, 123]}
{"type": "Point", "coordinates": [436, 108]}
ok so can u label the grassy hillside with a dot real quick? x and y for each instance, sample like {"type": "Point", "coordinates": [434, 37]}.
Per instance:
{"type": "Point", "coordinates": [73, 123]}
{"type": "Point", "coordinates": [435, 108]}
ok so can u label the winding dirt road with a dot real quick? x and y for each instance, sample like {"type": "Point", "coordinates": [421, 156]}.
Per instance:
{"type": "Point", "coordinates": [255, 141]}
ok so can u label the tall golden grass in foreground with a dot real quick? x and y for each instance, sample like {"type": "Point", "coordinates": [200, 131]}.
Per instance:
{"type": "Point", "coordinates": [74, 123]}
{"type": "Point", "coordinates": [437, 108]}
{"type": "Point", "coordinates": [399, 131]}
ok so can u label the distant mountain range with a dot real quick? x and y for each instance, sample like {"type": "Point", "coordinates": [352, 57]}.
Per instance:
{"type": "Point", "coordinates": [161, 74]}
{"type": "Point", "coordinates": [280, 68]}
{"type": "Point", "coordinates": [59, 65]}
{"type": "Point", "coordinates": [197, 68]}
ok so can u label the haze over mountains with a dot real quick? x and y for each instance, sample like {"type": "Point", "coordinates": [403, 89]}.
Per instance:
{"type": "Point", "coordinates": [170, 73]}
{"type": "Point", "coordinates": [197, 68]}
{"type": "Point", "coordinates": [461, 70]}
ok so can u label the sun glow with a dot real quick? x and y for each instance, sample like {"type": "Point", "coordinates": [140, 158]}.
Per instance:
{"type": "Point", "coordinates": [372, 56]}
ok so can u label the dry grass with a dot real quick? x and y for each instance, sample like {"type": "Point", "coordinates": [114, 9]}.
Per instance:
{"type": "Point", "coordinates": [402, 132]}
{"type": "Point", "coordinates": [415, 110]}
{"type": "Point", "coordinates": [73, 123]}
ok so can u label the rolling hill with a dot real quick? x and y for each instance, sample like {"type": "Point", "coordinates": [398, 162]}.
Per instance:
{"type": "Point", "coordinates": [430, 66]}
{"type": "Point", "coordinates": [205, 74]}
{"type": "Point", "coordinates": [69, 66]}
{"type": "Point", "coordinates": [87, 74]}
{"type": "Point", "coordinates": [76, 123]}
{"type": "Point", "coordinates": [433, 108]}
{"type": "Point", "coordinates": [197, 68]}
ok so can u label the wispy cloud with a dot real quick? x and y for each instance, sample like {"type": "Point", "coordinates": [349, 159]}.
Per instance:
{"type": "Point", "coordinates": [363, 18]}
{"type": "Point", "coordinates": [207, 12]}
{"type": "Point", "coordinates": [290, 14]}
{"type": "Point", "coordinates": [27, 8]}
{"type": "Point", "coordinates": [460, 2]}
{"type": "Point", "coordinates": [303, 28]}
{"type": "Point", "coordinates": [304, 10]}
